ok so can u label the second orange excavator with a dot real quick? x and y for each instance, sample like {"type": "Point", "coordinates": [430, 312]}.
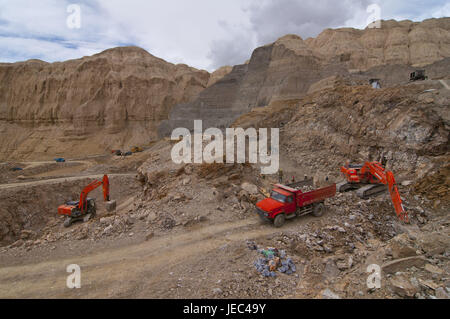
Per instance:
{"type": "Point", "coordinates": [370, 179]}
{"type": "Point", "coordinates": [85, 208]}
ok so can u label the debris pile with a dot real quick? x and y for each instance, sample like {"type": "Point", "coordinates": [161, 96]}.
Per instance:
{"type": "Point", "coordinates": [435, 186]}
{"type": "Point", "coordinates": [274, 260]}
{"type": "Point", "coordinates": [307, 188]}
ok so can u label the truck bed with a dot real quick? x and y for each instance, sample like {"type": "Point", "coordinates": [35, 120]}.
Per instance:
{"type": "Point", "coordinates": [315, 196]}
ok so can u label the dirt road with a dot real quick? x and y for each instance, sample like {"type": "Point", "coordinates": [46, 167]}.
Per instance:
{"type": "Point", "coordinates": [57, 180]}
{"type": "Point", "coordinates": [132, 267]}
{"type": "Point", "coordinates": [136, 271]}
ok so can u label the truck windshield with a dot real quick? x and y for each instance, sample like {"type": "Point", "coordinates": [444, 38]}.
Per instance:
{"type": "Point", "coordinates": [278, 197]}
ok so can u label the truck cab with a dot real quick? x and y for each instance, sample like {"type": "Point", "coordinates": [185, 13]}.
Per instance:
{"type": "Point", "coordinates": [279, 202]}
{"type": "Point", "coordinates": [286, 202]}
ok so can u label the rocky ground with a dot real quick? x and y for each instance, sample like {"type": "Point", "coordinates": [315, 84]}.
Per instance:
{"type": "Point", "coordinates": [183, 231]}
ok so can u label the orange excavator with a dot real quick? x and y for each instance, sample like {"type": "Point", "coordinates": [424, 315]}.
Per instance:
{"type": "Point", "coordinates": [370, 179]}
{"type": "Point", "coordinates": [85, 208]}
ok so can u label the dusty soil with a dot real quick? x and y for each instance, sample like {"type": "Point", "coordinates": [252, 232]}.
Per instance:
{"type": "Point", "coordinates": [183, 232]}
{"type": "Point", "coordinates": [189, 231]}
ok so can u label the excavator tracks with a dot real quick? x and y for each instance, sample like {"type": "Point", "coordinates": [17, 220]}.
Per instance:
{"type": "Point", "coordinates": [344, 187]}
{"type": "Point", "coordinates": [362, 192]}
{"type": "Point", "coordinates": [370, 190]}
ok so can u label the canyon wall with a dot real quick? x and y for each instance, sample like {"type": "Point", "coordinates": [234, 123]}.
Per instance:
{"type": "Point", "coordinates": [114, 99]}
{"type": "Point", "coordinates": [125, 96]}
{"type": "Point", "coordinates": [288, 68]}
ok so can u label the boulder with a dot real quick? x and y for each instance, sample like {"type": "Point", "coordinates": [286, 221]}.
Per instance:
{"type": "Point", "coordinates": [433, 269]}
{"type": "Point", "coordinates": [399, 251]}
{"type": "Point", "coordinates": [108, 230]}
{"type": "Point", "coordinates": [434, 244]}
{"type": "Point", "coordinates": [404, 263]}
{"type": "Point", "coordinates": [403, 286]}
{"type": "Point", "coordinates": [401, 246]}
{"type": "Point", "coordinates": [251, 189]}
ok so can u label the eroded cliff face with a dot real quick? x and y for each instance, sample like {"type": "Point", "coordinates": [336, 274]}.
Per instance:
{"type": "Point", "coordinates": [403, 42]}
{"type": "Point", "coordinates": [218, 74]}
{"type": "Point", "coordinates": [125, 96]}
{"type": "Point", "coordinates": [290, 67]}
{"type": "Point", "coordinates": [114, 99]}
{"type": "Point", "coordinates": [408, 124]}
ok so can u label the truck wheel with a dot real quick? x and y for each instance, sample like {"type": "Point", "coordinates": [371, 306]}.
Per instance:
{"type": "Point", "coordinates": [279, 220]}
{"type": "Point", "coordinates": [319, 210]}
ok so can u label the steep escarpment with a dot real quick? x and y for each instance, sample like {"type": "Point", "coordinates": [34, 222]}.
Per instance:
{"type": "Point", "coordinates": [114, 99]}
{"type": "Point", "coordinates": [291, 66]}
{"type": "Point", "coordinates": [218, 74]}
{"type": "Point", "coordinates": [125, 96]}
{"type": "Point", "coordinates": [396, 42]}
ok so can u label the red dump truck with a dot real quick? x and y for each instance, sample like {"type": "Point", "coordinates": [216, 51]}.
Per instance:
{"type": "Point", "coordinates": [286, 202]}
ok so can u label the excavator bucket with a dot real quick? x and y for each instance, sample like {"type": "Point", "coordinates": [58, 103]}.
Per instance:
{"type": "Point", "coordinates": [111, 206]}
{"type": "Point", "coordinates": [396, 199]}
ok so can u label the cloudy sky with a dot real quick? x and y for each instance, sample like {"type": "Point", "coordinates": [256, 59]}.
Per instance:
{"type": "Point", "coordinates": [205, 34]}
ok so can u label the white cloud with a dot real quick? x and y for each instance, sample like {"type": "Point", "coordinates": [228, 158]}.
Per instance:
{"type": "Point", "coordinates": [19, 49]}
{"type": "Point", "coordinates": [202, 33]}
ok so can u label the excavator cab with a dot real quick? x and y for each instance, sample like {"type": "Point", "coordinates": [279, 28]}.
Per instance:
{"type": "Point", "coordinates": [90, 203]}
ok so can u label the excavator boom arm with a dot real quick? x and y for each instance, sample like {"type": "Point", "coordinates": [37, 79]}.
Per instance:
{"type": "Point", "coordinates": [105, 188]}
{"type": "Point", "coordinates": [91, 187]}
{"type": "Point", "coordinates": [388, 179]}
{"type": "Point", "coordinates": [395, 196]}
{"type": "Point", "coordinates": [376, 170]}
